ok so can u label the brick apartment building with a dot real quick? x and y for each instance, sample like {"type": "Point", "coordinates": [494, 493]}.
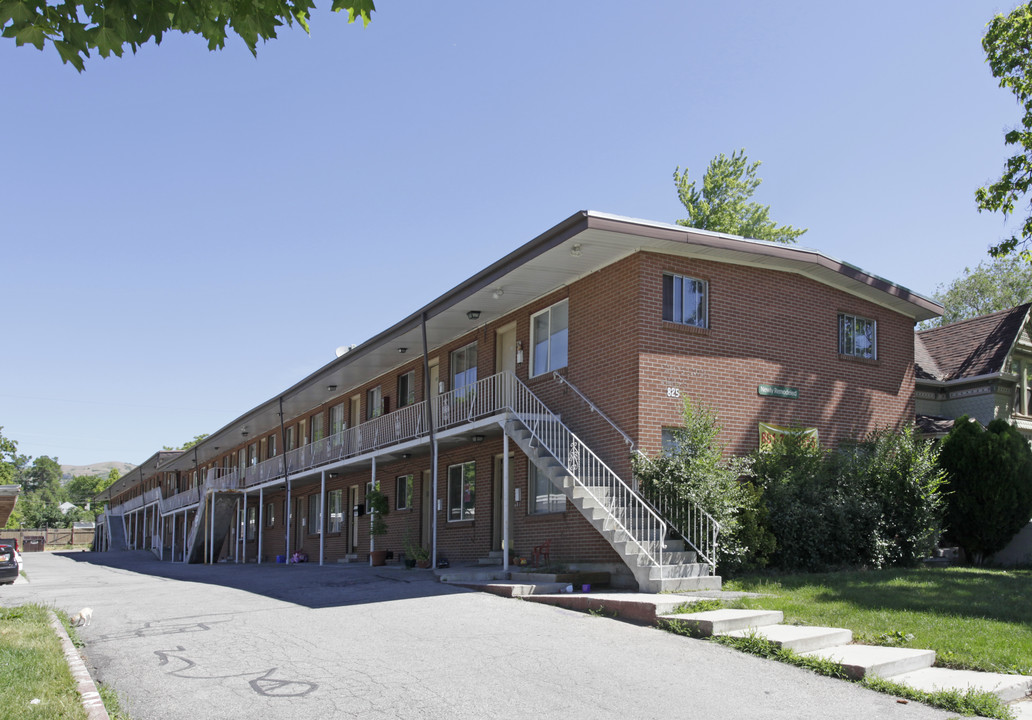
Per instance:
{"type": "Point", "coordinates": [509, 407]}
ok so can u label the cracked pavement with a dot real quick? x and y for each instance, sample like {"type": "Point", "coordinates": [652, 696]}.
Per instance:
{"type": "Point", "coordinates": [287, 641]}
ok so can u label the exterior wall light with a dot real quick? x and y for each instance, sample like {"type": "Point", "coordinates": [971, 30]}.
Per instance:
{"type": "Point", "coordinates": [473, 314]}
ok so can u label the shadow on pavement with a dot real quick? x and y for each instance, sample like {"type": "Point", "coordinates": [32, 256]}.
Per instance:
{"type": "Point", "coordinates": [305, 584]}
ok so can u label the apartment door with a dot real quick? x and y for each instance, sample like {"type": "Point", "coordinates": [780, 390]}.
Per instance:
{"type": "Point", "coordinates": [352, 519]}
{"type": "Point", "coordinates": [496, 503]}
{"type": "Point", "coordinates": [505, 349]}
{"type": "Point", "coordinates": [427, 524]}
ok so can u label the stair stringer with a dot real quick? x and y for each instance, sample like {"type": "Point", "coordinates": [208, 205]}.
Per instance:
{"type": "Point", "coordinates": [225, 516]}
{"type": "Point", "coordinates": [679, 570]}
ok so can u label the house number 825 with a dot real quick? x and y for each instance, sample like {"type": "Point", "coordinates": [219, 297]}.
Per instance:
{"type": "Point", "coordinates": [673, 392]}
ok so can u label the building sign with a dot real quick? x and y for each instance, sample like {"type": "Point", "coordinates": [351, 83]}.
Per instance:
{"type": "Point", "coordinates": [778, 391]}
{"type": "Point", "coordinates": [769, 433]}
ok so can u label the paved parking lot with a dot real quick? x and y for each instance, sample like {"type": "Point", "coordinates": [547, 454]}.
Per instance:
{"type": "Point", "coordinates": [278, 641]}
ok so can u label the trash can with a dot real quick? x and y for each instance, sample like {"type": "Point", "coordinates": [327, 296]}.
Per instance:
{"type": "Point", "coordinates": [34, 543]}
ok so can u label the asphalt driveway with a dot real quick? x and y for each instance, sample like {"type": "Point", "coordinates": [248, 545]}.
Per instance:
{"type": "Point", "coordinates": [197, 642]}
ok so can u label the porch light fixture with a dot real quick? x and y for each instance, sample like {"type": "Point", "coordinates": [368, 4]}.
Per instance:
{"type": "Point", "coordinates": [331, 388]}
{"type": "Point", "coordinates": [575, 251]}
{"type": "Point", "coordinates": [406, 456]}
{"type": "Point", "coordinates": [477, 438]}
{"type": "Point", "coordinates": [244, 432]}
{"type": "Point", "coordinates": [403, 350]}
{"type": "Point", "coordinates": [497, 293]}
{"type": "Point", "coordinates": [473, 314]}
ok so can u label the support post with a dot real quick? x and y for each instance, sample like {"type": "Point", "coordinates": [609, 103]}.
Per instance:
{"type": "Point", "coordinates": [505, 501]}
{"type": "Point", "coordinates": [322, 517]}
{"type": "Point", "coordinates": [261, 522]}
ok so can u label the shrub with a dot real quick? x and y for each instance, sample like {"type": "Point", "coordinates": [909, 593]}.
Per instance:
{"type": "Point", "coordinates": [873, 503]}
{"type": "Point", "coordinates": [695, 471]}
{"type": "Point", "coordinates": [989, 484]}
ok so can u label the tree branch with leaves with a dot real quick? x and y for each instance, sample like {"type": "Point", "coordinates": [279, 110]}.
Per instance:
{"type": "Point", "coordinates": [722, 203]}
{"type": "Point", "coordinates": [78, 27]}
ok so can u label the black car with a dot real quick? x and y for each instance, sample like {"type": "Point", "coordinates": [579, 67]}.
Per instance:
{"type": "Point", "coordinates": [8, 565]}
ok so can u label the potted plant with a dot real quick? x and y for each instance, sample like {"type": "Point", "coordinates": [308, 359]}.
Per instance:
{"type": "Point", "coordinates": [378, 506]}
{"type": "Point", "coordinates": [419, 554]}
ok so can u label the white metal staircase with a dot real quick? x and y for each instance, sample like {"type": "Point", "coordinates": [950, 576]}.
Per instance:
{"type": "Point", "coordinates": [628, 523]}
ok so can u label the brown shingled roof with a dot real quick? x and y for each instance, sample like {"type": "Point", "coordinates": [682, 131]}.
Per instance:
{"type": "Point", "coordinates": [968, 348]}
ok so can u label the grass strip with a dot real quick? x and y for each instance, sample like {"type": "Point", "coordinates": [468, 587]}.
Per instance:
{"type": "Point", "coordinates": [36, 680]}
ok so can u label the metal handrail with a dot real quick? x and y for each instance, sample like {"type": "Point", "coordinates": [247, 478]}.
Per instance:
{"type": "Point", "coordinates": [627, 509]}
{"type": "Point", "coordinates": [562, 380]}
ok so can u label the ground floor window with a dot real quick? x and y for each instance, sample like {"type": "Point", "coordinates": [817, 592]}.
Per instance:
{"type": "Point", "coordinates": [404, 493]}
{"type": "Point", "coordinates": [335, 510]}
{"type": "Point", "coordinates": [252, 522]}
{"type": "Point", "coordinates": [462, 491]}
{"type": "Point", "coordinates": [270, 514]}
{"type": "Point", "coordinates": [314, 516]}
{"type": "Point", "coordinates": [545, 497]}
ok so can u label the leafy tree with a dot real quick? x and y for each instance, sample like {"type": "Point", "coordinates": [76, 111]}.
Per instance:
{"type": "Point", "coordinates": [77, 27]}
{"type": "Point", "coordinates": [1009, 54]}
{"type": "Point", "coordinates": [44, 474]}
{"type": "Point", "coordinates": [8, 459]}
{"type": "Point", "coordinates": [989, 485]}
{"type": "Point", "coordinates": [188, 444]}
{"type": "Point", "coordinates": [997, 284]}
{"type": "Point", "coordinates": [695, 471]}
{"type": "Point", "coordinates": [38, 512]}
{"type": "Point", "coordinates": [722, 205]}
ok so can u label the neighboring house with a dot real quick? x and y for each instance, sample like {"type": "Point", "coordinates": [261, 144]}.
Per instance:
{"type": "Point", "coordinates": [978, 367]}
{"type": "Point", "coordinates": [502, 415]}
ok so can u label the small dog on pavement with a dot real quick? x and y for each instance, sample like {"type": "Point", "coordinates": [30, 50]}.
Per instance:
{"type": "Point", "coordinates": [81, 618]}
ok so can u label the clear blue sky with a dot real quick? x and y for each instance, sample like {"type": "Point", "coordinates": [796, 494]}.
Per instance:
{"type": "Point", "coordinates": [187, 233]}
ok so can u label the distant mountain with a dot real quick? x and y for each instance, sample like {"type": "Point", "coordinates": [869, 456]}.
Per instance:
{"type": "Point", "coordinates": [103, 468]}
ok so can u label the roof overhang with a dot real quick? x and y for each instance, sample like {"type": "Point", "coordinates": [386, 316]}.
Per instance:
{"type": "Point", "coordinates": [578, 246]}
{"type": "Point", "coordinates": [8, 499]}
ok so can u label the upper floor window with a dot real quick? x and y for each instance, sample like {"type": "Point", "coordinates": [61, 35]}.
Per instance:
{"type": "Point", "coordinates": [316, 425]}
{"type": "Point", "coordinates": [338, 419]}
{"type": "Point", "coordinates": [374, 403]}
{"type": "Point", "coordinates": [686, 300]}
{"type": "Point", "coordinates": [407, 388]}
{"type": "Point", "coordinates": [857, 337]}
{"type": "Point", "coordinates": [464, 366]}
{"type": "Point", "coordinates": [549, 338]}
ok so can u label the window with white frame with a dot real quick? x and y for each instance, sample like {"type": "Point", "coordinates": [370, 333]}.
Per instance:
{"type": "Point", "coordinates": [252, 522]}
{"type": "Point", "coordinates": [272, 446]}
{"type": "Point", "coordinates": [407, 388]}
{"type": "Point", "coordinates": [291, 434]}
{"type": "Point", "coordinates": [316, 424]}
{"type": "Point", "coordinates": [338, 418]}
{"type": "Point", "coordinates": [314, 519]}
{"type": "Point", "coordinates": [545, 497]}
{"type": "Point", "coordinates": [252, 454]}
{"type": "Point", "coordinates": [241, 459]}
{"type": "Point", "coordinates": [335, 510]}
{"type": "Point", "coordinates": [374, 402]}
{"type": "Point", "coordinates": [685, 300]}
{"type": "Point", "coordinates": [857, 336]}
{"type": "Point", "coordinates": [464, 367]}
{"type": "Point", "coordinates": [462, 491]}
{"type": "Point", "coordinates": [549, 338]}
{"type": "Point", "coordinates": [270, 514]}
{"type": "Point", "coordinates": [404, 493]}
{"type": "Point", "coordinates": [671, 440]}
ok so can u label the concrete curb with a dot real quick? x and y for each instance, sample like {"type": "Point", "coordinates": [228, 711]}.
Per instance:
{"type": "Point", "coordinates": [91, 701]}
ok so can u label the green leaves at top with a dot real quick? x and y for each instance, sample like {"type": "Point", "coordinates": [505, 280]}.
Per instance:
{"type": "Point", "coordinates": [78, 27]}
{"type": "Point", "coordinates": [1008, 49]}
{"type": "Point", "coordinates": [722, 204]}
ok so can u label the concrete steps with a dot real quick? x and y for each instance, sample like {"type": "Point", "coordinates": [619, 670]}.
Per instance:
{"type": "Point", "coordinates": [907, 666]}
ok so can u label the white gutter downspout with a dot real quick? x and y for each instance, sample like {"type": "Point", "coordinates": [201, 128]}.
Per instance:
{"type": "Point", "coordinates": [433, 442]}
{"type": "Point", "coordinates": [372, 540]}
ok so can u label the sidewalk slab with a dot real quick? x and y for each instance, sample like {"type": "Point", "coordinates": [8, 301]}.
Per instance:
{"type": "Point", "coordinates": [1006, 687]}
{"type": "Point", "coordinates": [884, 662]}
{"type": "Point", "coordinates": [800, 638]}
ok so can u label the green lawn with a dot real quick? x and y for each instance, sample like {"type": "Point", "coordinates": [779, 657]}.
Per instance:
{"type": "Point", "coordinates": [973, 618]}
{"type": "Point", "coordinates": [34, 668]}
